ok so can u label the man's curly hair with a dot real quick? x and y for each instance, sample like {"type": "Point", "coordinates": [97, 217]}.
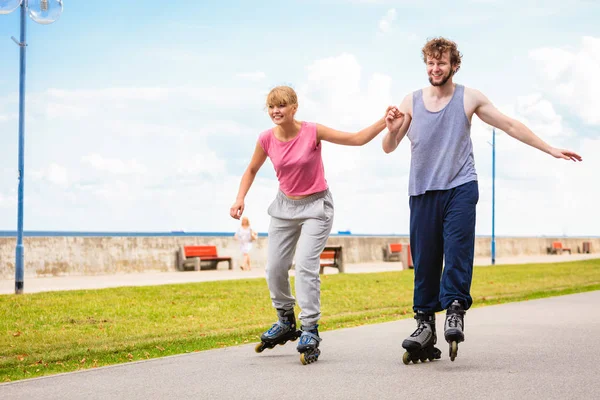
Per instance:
{"type": "Point", "coordinates": [437, 46]}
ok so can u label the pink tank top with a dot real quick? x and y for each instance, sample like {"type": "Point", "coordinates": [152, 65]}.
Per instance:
{"type": "Point", "coordinates": [298, 163]}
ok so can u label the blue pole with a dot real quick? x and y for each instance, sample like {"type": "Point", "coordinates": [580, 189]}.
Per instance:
{"type": "Point", "coordinates": [493, 196]}
{"type": "Point", "coordinates": [19, 268]}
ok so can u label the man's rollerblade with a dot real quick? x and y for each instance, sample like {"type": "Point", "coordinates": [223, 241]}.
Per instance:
{"type": "Point", "coordinates": [308, 346]}
{"type": "Point", "coordinates": [281, 331]}
{"type": "Point", "coordinates": [454, 327]}
{"type": "Point", "coordinates": [420, 345]}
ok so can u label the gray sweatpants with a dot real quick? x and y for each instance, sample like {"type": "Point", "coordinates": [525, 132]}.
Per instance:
{"type": "Point", "coordinates": [300, 228]}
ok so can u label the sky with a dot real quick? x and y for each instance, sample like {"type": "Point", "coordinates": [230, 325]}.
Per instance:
{"type": "Point", "coordinates": [142, 116]}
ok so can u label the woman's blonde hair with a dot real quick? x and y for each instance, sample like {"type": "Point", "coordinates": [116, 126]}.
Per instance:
{"type": "Point", "coordinates": [282, 96]}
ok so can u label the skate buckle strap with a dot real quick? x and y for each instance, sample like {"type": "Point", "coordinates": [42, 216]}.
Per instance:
{"type": "Point", "coordinates": [420, 316]}
{"type": "Point", "coordinates": [277, 326]}
{"type": "Point", "coordinates": [310, 335]}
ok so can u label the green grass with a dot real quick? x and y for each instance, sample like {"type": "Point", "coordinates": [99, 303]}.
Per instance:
{"type": "Point", "coordinates": [53, 332]}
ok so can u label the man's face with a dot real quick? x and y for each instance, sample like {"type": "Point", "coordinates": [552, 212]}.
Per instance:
{"type": "Point", "coordinates": [439, 70]}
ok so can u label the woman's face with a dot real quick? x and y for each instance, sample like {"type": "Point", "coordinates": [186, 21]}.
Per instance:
{"type": "Point", "coordinates": [282, 114]}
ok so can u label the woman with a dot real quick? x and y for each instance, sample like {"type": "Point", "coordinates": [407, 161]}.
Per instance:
{"type": "Point", "coordinates": [245, 235]}
{"type": "Point", "coordinates": [301, 214]}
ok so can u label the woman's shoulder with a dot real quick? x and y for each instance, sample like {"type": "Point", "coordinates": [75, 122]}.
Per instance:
{"type": "Point", "coordinates": [310, 124]}
{"type": "Point", "coordinates": [265, 138]}
{"type": "Point", "coordinates": [266, 135]}
{"type": "Point", "coordinates": [309, 128]}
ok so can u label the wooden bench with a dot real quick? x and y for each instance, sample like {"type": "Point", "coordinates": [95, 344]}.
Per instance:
{"type": "Point", "coordinates": [392, 252]}
{"type": "Point", "coordinates": [558, 248]}
{"type": "Point", "coordinates": [332, 256]}
{"type": "Point", "coordinates": [199, 258]}
{"type": "Point", "coordinates": [587, 247]}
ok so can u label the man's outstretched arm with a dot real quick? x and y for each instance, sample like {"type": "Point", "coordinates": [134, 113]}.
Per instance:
{"type": "Point", "coordinates": [490, 115]}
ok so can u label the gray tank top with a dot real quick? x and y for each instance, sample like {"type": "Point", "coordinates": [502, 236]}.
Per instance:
{"type": "Point", "coordinates": [441, 147]}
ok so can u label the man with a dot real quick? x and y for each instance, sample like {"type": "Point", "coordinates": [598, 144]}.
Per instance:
{"type": "Point", "coordinates": [444, 192]}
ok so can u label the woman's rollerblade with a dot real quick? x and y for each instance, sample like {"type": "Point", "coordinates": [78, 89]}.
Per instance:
{"type": "Point", "coordinates": [454, 327]}
{"type": "Point", "coordinates": [420, 345]}
{"type": "Point", "coordinates": [308, 346]}
{"type": "Point", "coordinates": [281, 331]}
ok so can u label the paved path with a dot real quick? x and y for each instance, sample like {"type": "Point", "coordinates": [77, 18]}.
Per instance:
{"type": "Point", "coordinates": [540, 349]}
{"type": "Point", "coordinates": [34, 284]}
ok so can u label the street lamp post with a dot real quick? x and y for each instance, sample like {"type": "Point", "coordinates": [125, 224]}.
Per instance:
{"type": "Point", "coordinates": [493, 196]}
{"type": "Point", "coordinates": [43, 12]}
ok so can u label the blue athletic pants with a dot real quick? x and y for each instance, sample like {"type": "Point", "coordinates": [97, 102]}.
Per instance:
{"type": "Point", "coordinates": [442, 233]}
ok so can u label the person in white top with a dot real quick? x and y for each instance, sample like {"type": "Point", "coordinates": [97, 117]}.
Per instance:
{"type": "Point", "coordinates": [245, 235]}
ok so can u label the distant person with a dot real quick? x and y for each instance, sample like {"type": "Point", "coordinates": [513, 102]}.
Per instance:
{"type": "Point", "coordinates": [443, 192]}
{"type": "Point", "coordinates": [245, 235]}
{"type": "Point", "coordinates": [301, 215]}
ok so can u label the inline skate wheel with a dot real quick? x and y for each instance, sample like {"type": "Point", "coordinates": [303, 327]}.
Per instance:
{"type": "Point", "coordinates": [406, 358]}
{"type": "Point", "coordinates": [259, 347]}
{"type": "Point", "coordinates": [309, 357]}
{"type": "Point", "coordinates": [303, 359]}
{"type": "Point", "coordinates": [453, 350]}
{"type": "Point", "coordinates": [435, 354]}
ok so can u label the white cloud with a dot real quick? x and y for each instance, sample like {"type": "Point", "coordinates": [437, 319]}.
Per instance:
{"type": "Point", "coordinates": [8, 202]}
{"type": "Point", "coordinates": [137, 101]}
{"type": "Point", "coordinates": [561, 60]}
{"type": "Point", "coordinates": [536, 194]}
{"type": "Point", "coordinates": [139, 93]}
{"type": "Point", "coordinates": [252, 76]}
{"type": "Point", "coordinates": [539, 115]}
{"type": "Point", "coordinates": [172, 158]}
{"type": "Point", "coordinates": [207, 162]}
{"type": "Point", "coordinates": [333, 93]}
{"type": "Point", "coordinates": [53, 173]}
{"type": "Point", "coordinates": [57, 174]}
{"type": "Point", "coordinates": [571, 77]}
{"type": "Point", "coordinates": [161, 152]}
{"type": "Point", "coordinates": [337, 94]}
{"type": "Point", "coordinates": [385, 24]}
{"type": "Point", "coordinates": [114, 165]}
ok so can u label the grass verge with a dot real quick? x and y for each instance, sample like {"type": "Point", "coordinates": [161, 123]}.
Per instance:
{"type": "Point", "coordinates": [54, 332]}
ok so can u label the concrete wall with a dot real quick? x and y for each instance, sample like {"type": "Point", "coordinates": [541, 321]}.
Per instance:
{"type": "Point", "coordinates": [60, 255]}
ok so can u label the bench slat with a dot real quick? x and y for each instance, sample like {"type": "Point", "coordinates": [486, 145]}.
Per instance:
{"type": "Point", "coordinates": [200, 251]}
{"type": "Point", "coordinates": [395, 247]}
{"type": "Point", "coordinates": [328, 255]}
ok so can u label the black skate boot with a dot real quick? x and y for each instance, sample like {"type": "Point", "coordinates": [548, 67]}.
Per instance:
{"type": "Point", "coordinates": [281, 331]}
{"type": "Point", "coordinates": [308, 346]}
{"type": "Point", "coordinates": [420, 345]}
{"type": "Point", "coordinates": [454, 327]}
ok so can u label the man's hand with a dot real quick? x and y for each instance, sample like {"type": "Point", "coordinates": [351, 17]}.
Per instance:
{"type": "Point", "coordinates": [394, 119]}
{"type": "Point", "coordinates": [565, 154]}
{"type": "Point", "coordinates": [237, 209]}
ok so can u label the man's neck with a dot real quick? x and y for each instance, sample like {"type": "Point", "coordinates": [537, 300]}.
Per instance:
{"type": "Point", "coordinates": [440, 92]}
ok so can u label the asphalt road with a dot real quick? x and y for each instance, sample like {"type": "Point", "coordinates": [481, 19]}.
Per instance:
{"type": "Point", "coordinates": [539, 349]}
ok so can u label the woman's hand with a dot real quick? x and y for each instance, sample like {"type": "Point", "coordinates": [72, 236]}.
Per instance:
{"type": "Point", "coordinates": [237, 209]}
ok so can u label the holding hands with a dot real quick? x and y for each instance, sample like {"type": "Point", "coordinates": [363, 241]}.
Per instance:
{"type": "Point", "coordinates": [393, 119]}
